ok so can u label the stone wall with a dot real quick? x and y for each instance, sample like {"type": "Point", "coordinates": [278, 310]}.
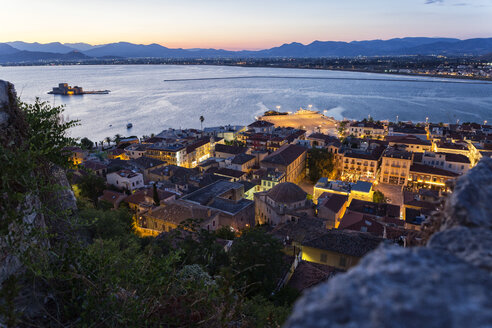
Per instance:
{"type": "Point", "coordinates": [446, 283]}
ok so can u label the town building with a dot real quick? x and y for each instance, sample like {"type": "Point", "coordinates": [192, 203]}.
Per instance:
{"type": "Point", "coordinates": [395, 166]}
{"type": "Point", "coordinates": [135, 151]}
{"type": "Point", "coordinates": [146, 164]}
{"type": "Point", "coordinates": [425, 176]}
{"type": "Point", "coordinates": [76, 155]}
{"type": "Point", "coordinates": [321, 140]}
{"type": "Point", "coordinates": [360, 163]}
{"type": "Point", "coordinates": [228, 199]}
{"type": "Point", "coordinates": [261, 127]}
{"type": "Point", "coordinates": [118, 153]}
{"type": "Point", "coordinates": [228, 132]}
{"type": "Point", "coordinates": [269, 178]}
{"type": "Point", "coordinates": [276, 205]}
{"type": "Point", "coordinates": [449, 161]}
{"type": "Point", "coordinates": [331, 208]}
{"type": "Point", "coordinates": [180, 178]}
{"type": "Point", "coordinates": [367, 129]}
{"type": "Point", "coordinates": [197, 152]}
{"type": "Point", "coordinates": [341, 249]}
{"type": "Point", "coordinates": [407, 130]}
{"type": "Point", "coordinates": [386, 228]}
{"type": "Point", "coordinates": [289, 159]}
{"type": "Point", "coordinates": [241, 162]}
{"type": "Point", "coordinates": [172, 214]}
{"type": "Point", "coordinates": [111, 197]}
{"type": "Point", "coordinates": [226, 151]}
{"type": "Point", "coordinates": [451, 148]}
{"type": "Point", "coordinates": [419, 206]}
{"type": "Point", "coordinates": [359, 190]}
{"type": "Point", "coordinates": [412, 143]}
{"type": "Point", "coordinates": [143, 200]}
{"type": "Point", "coordinates": [375, 210]}
{"type": "Point", "coordinates": [100, 169]}
{"type": "Point", "coordinates": [325, 185]}
{"type": "Point", "coordinates": [125, 179]}
{"type": "Point", "coordinates": [129, 140]}
{"type": "Point", "coordinates": [227, 173]}
{"type": "Point", "coordinates": [170, 153]}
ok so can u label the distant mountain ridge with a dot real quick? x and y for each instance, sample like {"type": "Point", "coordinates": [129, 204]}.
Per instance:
{"type": "Point", "coordinates": [34, 57]}
{"type": "Point", "coordinates": [393, 47]}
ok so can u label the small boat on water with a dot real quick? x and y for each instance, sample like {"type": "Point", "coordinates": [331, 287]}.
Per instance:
{"type": "Point", "coordinates": [129, 126]}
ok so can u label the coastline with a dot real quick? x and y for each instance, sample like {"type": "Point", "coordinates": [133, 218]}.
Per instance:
{"type": "Point", "coordinates": [443, 76]}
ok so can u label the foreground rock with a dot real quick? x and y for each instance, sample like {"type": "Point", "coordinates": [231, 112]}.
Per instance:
{"type": "Point", "coordinates": [446, 283]}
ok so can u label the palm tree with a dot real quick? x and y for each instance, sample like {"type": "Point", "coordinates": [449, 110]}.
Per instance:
{"type": "Point", "coordinates": [108, 140]}
{"type": "Point", "coordinates": [201, 121]}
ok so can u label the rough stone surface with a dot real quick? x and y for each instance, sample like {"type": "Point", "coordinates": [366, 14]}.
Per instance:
{"type": "Point", "coordinates": [446, 283]}
{"type": "Point", "coordinates": [473, 245]}
{"type": "Point", "coordinates": [396, 287]}
{"type": "Point", "coordinates": [470, 204]}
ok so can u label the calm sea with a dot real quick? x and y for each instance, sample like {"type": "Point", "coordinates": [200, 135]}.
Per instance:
{"type": "Point", "coordinates": [141, 95]}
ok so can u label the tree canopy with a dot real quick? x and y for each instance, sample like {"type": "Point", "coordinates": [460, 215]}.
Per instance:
{"type": "Point", "coordinates": [258, 258]}
{"type": "Point", "coordinates": [86, 143]}
{"type": "Point", "coordinates": [320, 163]}
{"type": "Point", "coordinates": [378, 197]}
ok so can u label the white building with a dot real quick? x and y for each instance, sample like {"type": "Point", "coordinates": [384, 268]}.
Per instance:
{"type": "Point", "coordinates": [125, 179]}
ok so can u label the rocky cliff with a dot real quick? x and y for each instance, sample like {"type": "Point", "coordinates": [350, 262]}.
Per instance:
{"type": "Point", "coordinates": [26, 231]}
{"type": "Point", "coordinates": [446, 283]}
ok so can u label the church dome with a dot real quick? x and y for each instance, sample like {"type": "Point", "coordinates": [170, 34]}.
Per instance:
{"type": "Point", "coordinates": [286, 193]}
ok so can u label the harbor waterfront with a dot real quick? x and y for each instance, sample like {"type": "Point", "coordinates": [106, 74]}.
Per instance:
{"type": "Point", "coordinates": [141, 95]}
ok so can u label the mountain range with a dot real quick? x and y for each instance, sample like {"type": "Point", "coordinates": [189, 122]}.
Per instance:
{"type": "Point", "coordinates": [19, 51]}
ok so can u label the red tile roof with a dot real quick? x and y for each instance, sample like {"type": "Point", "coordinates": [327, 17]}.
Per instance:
{"type": "Point", "coordinates": [333, 202]}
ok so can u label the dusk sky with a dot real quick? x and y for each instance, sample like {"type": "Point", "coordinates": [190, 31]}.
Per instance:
{"type": "Point", "coordinates": [232, 24]}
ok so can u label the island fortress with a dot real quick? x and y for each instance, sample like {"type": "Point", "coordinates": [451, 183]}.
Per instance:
{"type": "Point", "coordinates": [67, 90]}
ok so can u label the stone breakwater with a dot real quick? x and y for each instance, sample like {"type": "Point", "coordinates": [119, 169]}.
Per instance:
{"type": "Point", "coordinates": [445, 283]}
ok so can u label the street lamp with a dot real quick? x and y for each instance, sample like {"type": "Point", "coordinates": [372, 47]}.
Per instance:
{"type": "Point", "coordinates": [427, 120]}
{"type": "Point", "coordinates": [485, 122]}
